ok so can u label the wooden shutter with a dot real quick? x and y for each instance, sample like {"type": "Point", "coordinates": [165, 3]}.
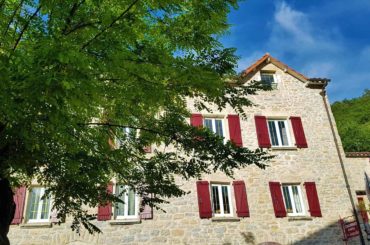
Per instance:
{"type": "Point", "coordinates": [313, 199]}
{"type": "Point", "coordinates": [300, 138]}
{"type": "Point", "coordinates": [234, 130]}
{"type": "Point", "coordinates": [277, 199]}
{"type": "Point", "coordinates": [362, 208]}
{"type": "Point", "coordinates": [196, 120]}
{"type": "Point", "coordinates": [54, 216]}
{"type": "Point", "coordinates": [241, 200]}
{"type": "Point", "coordinates": [262, 132]}
{"type": "Point", "coordinates": [148, 149]}
{"type": "Point", "coordinates": [19, 199]}
{"type": "Point", "coordinates": [204, 200]}
{"type": "Point", "coordinates": [105, 212]}
{"type": "Point", "coordinates": [147, 211]}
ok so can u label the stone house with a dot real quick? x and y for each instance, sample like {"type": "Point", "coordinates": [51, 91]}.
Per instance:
{"type": "Point", "coordinates": [297, 199]}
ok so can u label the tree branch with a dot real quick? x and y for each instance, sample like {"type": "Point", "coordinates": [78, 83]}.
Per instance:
{"type": "Point", "coordinates": [13, 15]}
{"type": "Point", "coordinates": [121, 126]}
{"type": "Point", "coordinates": [71, 14]}
{"type": "Point", "coordinates": [111, 24]}
{"type": "Point", "coordinates": [80, 26]}
{"type": "Point", "coordinates": [25, 27]}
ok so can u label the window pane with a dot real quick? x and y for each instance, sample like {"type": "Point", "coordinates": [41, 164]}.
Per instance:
{"type": "Point", "coordinates": [273, 135]}
{"type": "Point", "coordinates": [215, 200]}
{"type": "Point", "coordinates": [219, 130]}
{"type": "Point", "coordinates": [45, 208]}
{"type": "Point", "coordinates": [131, 202]}
{"type": "Point", "coordinates": [267, 78]}
{"type": "Point", "coordinates": [225, 200]}
{"type": "Point", "coordinates": [283, 133]}
{"type": "Point", "coordinates": [288, 202]}
{"type": "Point", "coordinates": [208, 124]}
{"type": "Point", "coordinates": [297, 200]}
{"type": "Point", "coordinates": [120, 207]}
{"type": "Point", "coordinates": [33, 203]}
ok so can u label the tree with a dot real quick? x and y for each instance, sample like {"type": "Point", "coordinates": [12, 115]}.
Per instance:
{"type": "Point", "coordinates": [353, 121]}
{"type": "Point", "coordinates": [75, 73]}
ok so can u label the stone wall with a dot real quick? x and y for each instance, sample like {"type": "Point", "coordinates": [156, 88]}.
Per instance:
{"type": "Point", "coordinates": [181, 223]}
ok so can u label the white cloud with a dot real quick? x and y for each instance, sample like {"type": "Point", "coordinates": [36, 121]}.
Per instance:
{"type": "Point", "coordinates": [303, 40]}
{"type": "Point", "coordinates": [294, 23]}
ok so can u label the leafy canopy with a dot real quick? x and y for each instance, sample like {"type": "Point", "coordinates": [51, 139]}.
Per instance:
{"type": "Point", "coordinates": [75, 73]}
{"type": "Point", "coordinates": [353, 122]}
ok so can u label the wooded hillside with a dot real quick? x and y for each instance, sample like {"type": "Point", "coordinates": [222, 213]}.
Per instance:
{"type": "Point", "coordinates": [353, 122]}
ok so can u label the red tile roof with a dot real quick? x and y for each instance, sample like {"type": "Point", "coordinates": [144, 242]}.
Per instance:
{"type": "Point", "coordinates": [358, 154]}
{"type": "Point", "coordinates": [267, 58]}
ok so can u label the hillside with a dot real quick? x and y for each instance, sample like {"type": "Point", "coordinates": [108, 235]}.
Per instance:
{"type": "Point", "coordinates": [353, 121]}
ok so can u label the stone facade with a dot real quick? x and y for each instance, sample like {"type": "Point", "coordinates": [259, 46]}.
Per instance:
{"type": "Point", "coordinates": [181, 224]}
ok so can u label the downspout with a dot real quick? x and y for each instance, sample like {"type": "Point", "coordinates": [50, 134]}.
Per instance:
{"type": "Point", "coordinates": [323, 94]}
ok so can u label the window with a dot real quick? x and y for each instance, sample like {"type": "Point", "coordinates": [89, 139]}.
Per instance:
{"type": "Point", "coordinates": [124, 135]}
{"type": "Point", "coordinates": [267, 78]}
{"type": "Point", "coordinates": [293, 199]}
{"type": "Point", "coordinates": [221, 201]}
{"type": "Point", "coordinates": [215, 125]}
{"type": "Point", "coordinates": [279, 133]}
{"type": "Point", "coordinates": [38, 208]}
{"type": "Point", "coordinates": [129, 207]}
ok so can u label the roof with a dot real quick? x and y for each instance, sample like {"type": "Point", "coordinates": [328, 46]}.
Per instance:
{"type": "Point", "coordinates": [358, 154]}
{"type": "Point", "coordinates": [267, 58]}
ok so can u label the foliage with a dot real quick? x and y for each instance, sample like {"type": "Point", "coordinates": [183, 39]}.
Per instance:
{"type": "Point", "coordinates": [75, 73]}
{"type": "Point", "coordinates": [353, 122]}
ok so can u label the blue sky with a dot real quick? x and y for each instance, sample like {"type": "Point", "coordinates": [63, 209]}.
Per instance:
{"type": "Point", "coordinates": [318, 38]}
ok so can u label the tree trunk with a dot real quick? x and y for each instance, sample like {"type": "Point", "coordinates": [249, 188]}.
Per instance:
{"type": "Point", "coordinates": [7, 209]}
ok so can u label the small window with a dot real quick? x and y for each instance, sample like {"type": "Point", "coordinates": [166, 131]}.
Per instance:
{"type": "Point", "coordinates": [129, 207]}
{"type": "Point", "coordinates": [279, 133]}
{"type": "Point", "coordinates": [268, 78]}
{"type": "Point", "coordinates": [215, 125]}
{"type": "Point", "coordinates": [38, 207]}
{"type": "Point", "coordinates": [293, 199]}
{"type": "Point", "coordinates": [123, 135]}
{"type": "Point", "coordinates": [221, 200]}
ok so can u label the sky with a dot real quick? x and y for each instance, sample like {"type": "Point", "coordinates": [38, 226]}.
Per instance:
{"type": "Point", "coordinates": [329, 39]}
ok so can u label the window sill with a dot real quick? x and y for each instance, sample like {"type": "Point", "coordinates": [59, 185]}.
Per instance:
{"type": "Point", "coordinates": [284, 148]}
{"type": "Point", "coordinates": [36, 225]}
{"type": "Point", "coordinates": [299, 218]}
{"type": "Point", "coordinates": [225, 219]}
{"type": "Point", "coordinates": [125, 222]}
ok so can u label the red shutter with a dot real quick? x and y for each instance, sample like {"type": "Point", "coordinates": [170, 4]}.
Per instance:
{"type": "Point", "coordinates": [262, 132]}
{"type": "Point", "coordinates": [196, 120]}
{"type": "Point", "coordinates": [148, 149]}
{"type": "Point", "coordinates": [105, 212]}
{"type": "Point", "coordinates": [300, 138]}
{"type": "Point", "coordinates": [313, 199]}
{"type": "Point", "coordinates": [147, 211]}
{"type": "Point", "coordinates": [19, 198]}
{"type": "Point", "coordinates": [234, 130]}
{"type": "Point", "coordinates": [277, 199]}
{"type": "Point", "coordinates": [204, 200]}
{"type": "Point", "coordinates": [54, 216]}
{"type": "Point", "coordinates": [241, 200]}
{"type": "Point", "coordinates": [362, 208]}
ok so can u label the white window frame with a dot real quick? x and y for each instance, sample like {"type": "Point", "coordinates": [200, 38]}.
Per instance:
{"type": "Point", "coordinates": [222, 211]}
{"type": "Point", "coordinates": [39, 208]}
{"type": "Point", "coordinates": [125, 200]}
{"type": "Point", "coordinates": [279, 137]}
{"type": "Point", "coordinates": [213, 120]}
{"type": "Point", "coordinates": [269, 73]}
{"type": "Point", "coordinates": [294, 208]}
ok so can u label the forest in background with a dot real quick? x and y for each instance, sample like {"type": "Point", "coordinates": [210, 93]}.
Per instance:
{"type": "Point", "coordinates": [353, 121]}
